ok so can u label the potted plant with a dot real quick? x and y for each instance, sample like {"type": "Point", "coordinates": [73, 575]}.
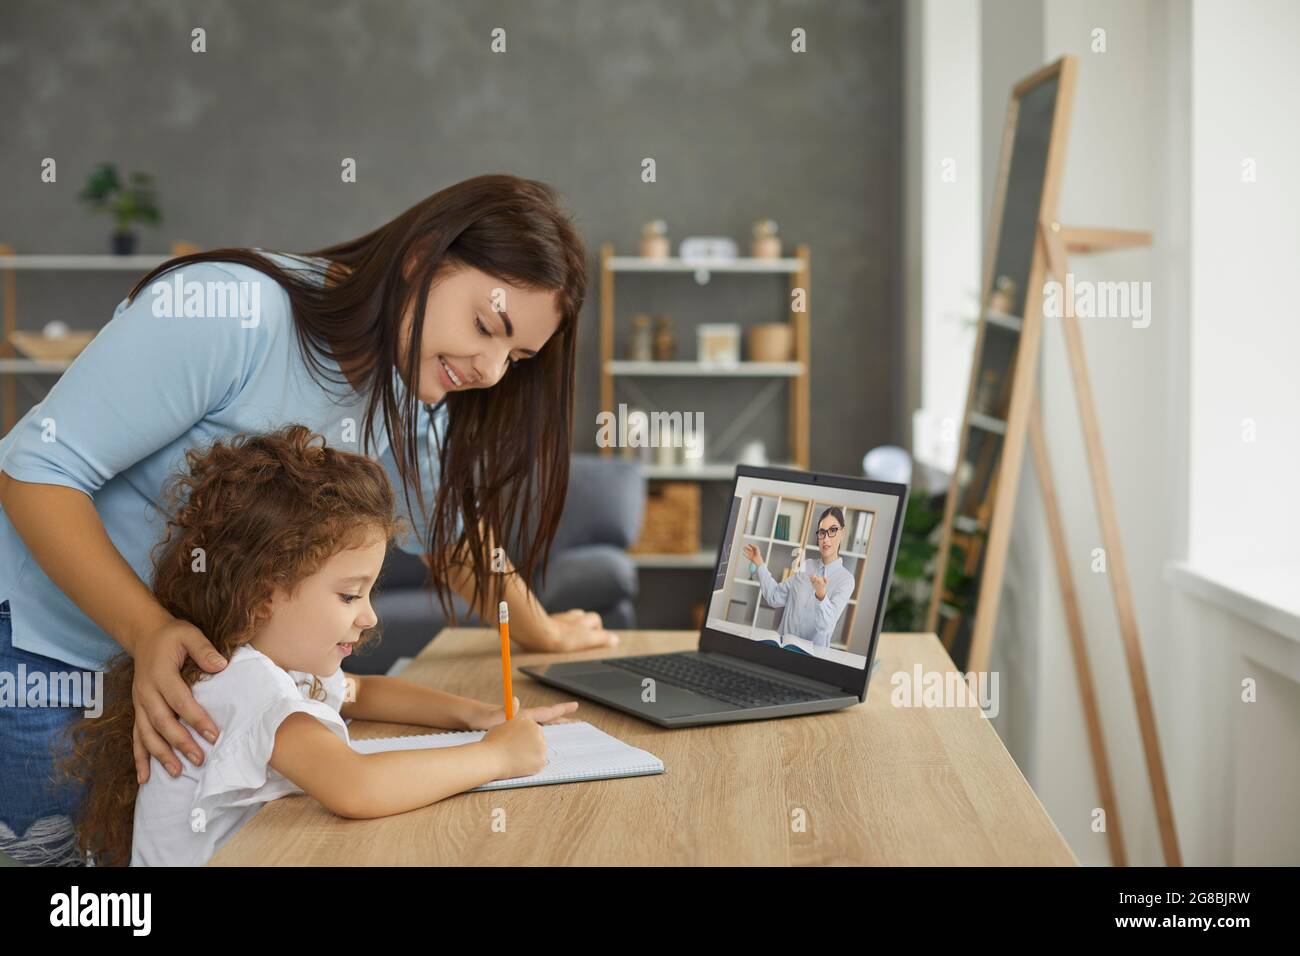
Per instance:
{"type": "Point", "coordinates": [914, 567]}
{"type": "Point", "coordinates": [131, 202]}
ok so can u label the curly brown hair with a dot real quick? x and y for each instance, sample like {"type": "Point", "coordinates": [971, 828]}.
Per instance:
{"type": "Point", "coordinates": [261, 513]}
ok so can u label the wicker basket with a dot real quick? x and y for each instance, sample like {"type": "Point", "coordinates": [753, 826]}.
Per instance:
{"type": "Point", "coordinates": [672, 519]}
{"type": "Point", "coordinates": [56, 348]}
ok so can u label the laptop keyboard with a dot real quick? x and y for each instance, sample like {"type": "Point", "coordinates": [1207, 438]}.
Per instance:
{"type": "Point", "coordinates": [727, 684]}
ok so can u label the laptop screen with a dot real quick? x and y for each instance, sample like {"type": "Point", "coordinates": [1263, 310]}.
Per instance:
{"type": "Point", "coordinates": [803, 571]}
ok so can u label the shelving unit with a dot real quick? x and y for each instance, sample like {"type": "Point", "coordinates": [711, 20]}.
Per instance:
{"type": "Point", "coordinates": [79, 263]}
{"type": "Point", "coordinates": [795, 372]}
{"type": "Point", "coordinates": [13, 366]}
{"type": "Point", "coordinates": [694, 559]}
{"type": "Point", "coordinates": [689, 369]}
{"type": "Point", "coordinates": [703, 268]}
{"type": "Point", "coordinates": [713, 471]}
{"type": "Point", "coordinates": [984, 431]}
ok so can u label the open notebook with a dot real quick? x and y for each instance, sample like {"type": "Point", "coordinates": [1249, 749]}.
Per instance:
{"type": "Point", "coordinates": [575, 751]}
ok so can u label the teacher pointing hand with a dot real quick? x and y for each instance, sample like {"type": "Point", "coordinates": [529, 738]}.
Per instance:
{"type": "Point", "coordinates": [441, 344]}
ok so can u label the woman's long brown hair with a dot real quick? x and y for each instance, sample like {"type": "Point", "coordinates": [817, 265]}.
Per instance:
{"type": "Point", "coordinates": [504, 460]}
{"type": "Point", "coordinates": [261, 514]}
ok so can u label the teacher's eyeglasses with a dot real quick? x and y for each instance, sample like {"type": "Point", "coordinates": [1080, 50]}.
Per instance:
{"type": "Point", "coordinates": [824, 533]}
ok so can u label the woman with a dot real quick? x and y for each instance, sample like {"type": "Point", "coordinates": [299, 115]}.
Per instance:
{"type": "Point", "coordinates": [441, 344]}
{"type": "Point", "coordinates": [816, 594]}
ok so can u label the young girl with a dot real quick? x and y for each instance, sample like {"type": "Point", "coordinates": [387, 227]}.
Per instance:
{"type": "Point", "coordinates": [272, 547]}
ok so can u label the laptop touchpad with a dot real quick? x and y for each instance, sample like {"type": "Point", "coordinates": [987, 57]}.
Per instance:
{"type": "Point", "coordinates": [631, 690]}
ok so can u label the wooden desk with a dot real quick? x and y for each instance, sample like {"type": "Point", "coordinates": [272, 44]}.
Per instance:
{"type": "Point", "coordinates": [877, 785]}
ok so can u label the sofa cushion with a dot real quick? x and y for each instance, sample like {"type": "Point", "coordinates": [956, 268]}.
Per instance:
{"type": "Point", "coordinates": [604, 503]}
{"type": "Point", "coordinates": [593, 577]}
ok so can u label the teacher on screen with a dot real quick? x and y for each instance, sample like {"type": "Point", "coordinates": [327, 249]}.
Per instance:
{"type": "Point", "coordinates": [814, 597]}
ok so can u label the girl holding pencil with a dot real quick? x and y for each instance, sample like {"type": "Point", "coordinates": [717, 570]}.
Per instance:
{"type": "Point", "coordinates": [292, 536]}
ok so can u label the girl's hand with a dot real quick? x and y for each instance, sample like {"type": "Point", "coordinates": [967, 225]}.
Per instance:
{"type": "Point", "coordinates": [485, 716]}
{"type": "Point", "coordinates": [753, 554]}
{"type": "Point", "coordinates": [519, 747]}
{"type": "Point", "coordinates": [160, 695]}
{"type": "Point", "coordinates": [578, 631]}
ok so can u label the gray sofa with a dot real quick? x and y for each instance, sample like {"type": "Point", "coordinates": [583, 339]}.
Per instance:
{"type": "Point", "coordinates": [589, 566]}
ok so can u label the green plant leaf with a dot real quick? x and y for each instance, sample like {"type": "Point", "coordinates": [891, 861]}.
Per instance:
{"type": "Point", "coordinates": [101, 183]}
{"type": "Point", "coordinates": [913, 556]}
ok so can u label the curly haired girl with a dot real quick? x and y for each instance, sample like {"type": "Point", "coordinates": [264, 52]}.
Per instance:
{"type": "Point", "coordinates": [273, 545]}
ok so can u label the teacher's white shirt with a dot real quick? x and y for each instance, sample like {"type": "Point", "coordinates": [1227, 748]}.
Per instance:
{"type": "Point", "coordinates": [807, 616]}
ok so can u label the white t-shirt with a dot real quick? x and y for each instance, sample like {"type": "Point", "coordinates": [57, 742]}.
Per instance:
{"type": "Point", "coordinates": [183, 821]}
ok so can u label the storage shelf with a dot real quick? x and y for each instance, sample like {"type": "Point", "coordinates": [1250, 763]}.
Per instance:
{"type": "Point", "coordinates": [690, 369]}
{"type": "Point", "coordinates": [794, 375]}
{"type": "Point", "coordinates": [11, 264]}
{"type": "Point", "coordinates": [84, 263]}
{"type": "Point", "coordinates": [678, 377]}
{"type": "Point", "coordinates": [710, 471]}
{"type": "Point", "coordinates": [26, 366]}
{"type": "Point", "coordinates": [675, 264]}
{"type": "Point", "coordinates": [694, 559]}
{"type": "Point", "coordinates": [988, 423]}
{"type": "Point", "coordinates": [794, 544]}
{"type": "Point", "coordinates": [1002, 320]}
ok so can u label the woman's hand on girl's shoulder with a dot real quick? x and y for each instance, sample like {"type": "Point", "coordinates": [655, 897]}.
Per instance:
{"type": "Point", "coordinates": [160, 694]}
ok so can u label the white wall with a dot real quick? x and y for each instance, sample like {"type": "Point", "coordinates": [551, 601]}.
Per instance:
{"type": "Point", "coordinates": [1245, 319]}
{"type": "Point", "coordinates": [942, 235]}
{"type": "Point", "coordinates": [1244, 336]}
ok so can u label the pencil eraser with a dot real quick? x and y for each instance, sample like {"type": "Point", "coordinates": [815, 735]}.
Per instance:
{"type": "Point", "coordinates": [503, 613]}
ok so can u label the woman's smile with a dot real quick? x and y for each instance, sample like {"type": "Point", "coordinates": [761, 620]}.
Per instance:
{"type": "Point", "coordinates": [466, 342]}
{"type": "Point", "coordinates": [453, 378]}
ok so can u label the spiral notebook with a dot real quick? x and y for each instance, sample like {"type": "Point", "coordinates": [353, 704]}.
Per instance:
{"type": "Point", "coordinates": [574, 752]}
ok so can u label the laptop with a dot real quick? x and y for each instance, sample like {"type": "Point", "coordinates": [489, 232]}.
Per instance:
{"type": "Point", "coordinates": [798, 597]}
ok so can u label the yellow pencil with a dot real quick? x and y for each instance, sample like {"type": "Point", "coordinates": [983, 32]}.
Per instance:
{"type": "Point", "coordinates": [503, 619]}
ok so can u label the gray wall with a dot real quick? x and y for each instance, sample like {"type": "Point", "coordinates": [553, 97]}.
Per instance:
{"type": "Point", "coordinates": [246, 141]}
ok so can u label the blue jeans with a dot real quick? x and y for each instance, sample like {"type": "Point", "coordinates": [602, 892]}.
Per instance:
{"type": "Point", "coordinates": [36, 808]}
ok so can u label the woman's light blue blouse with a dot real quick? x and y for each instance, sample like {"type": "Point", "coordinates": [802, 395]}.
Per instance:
{"type": "Point", "coordinates": [148, 387]}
